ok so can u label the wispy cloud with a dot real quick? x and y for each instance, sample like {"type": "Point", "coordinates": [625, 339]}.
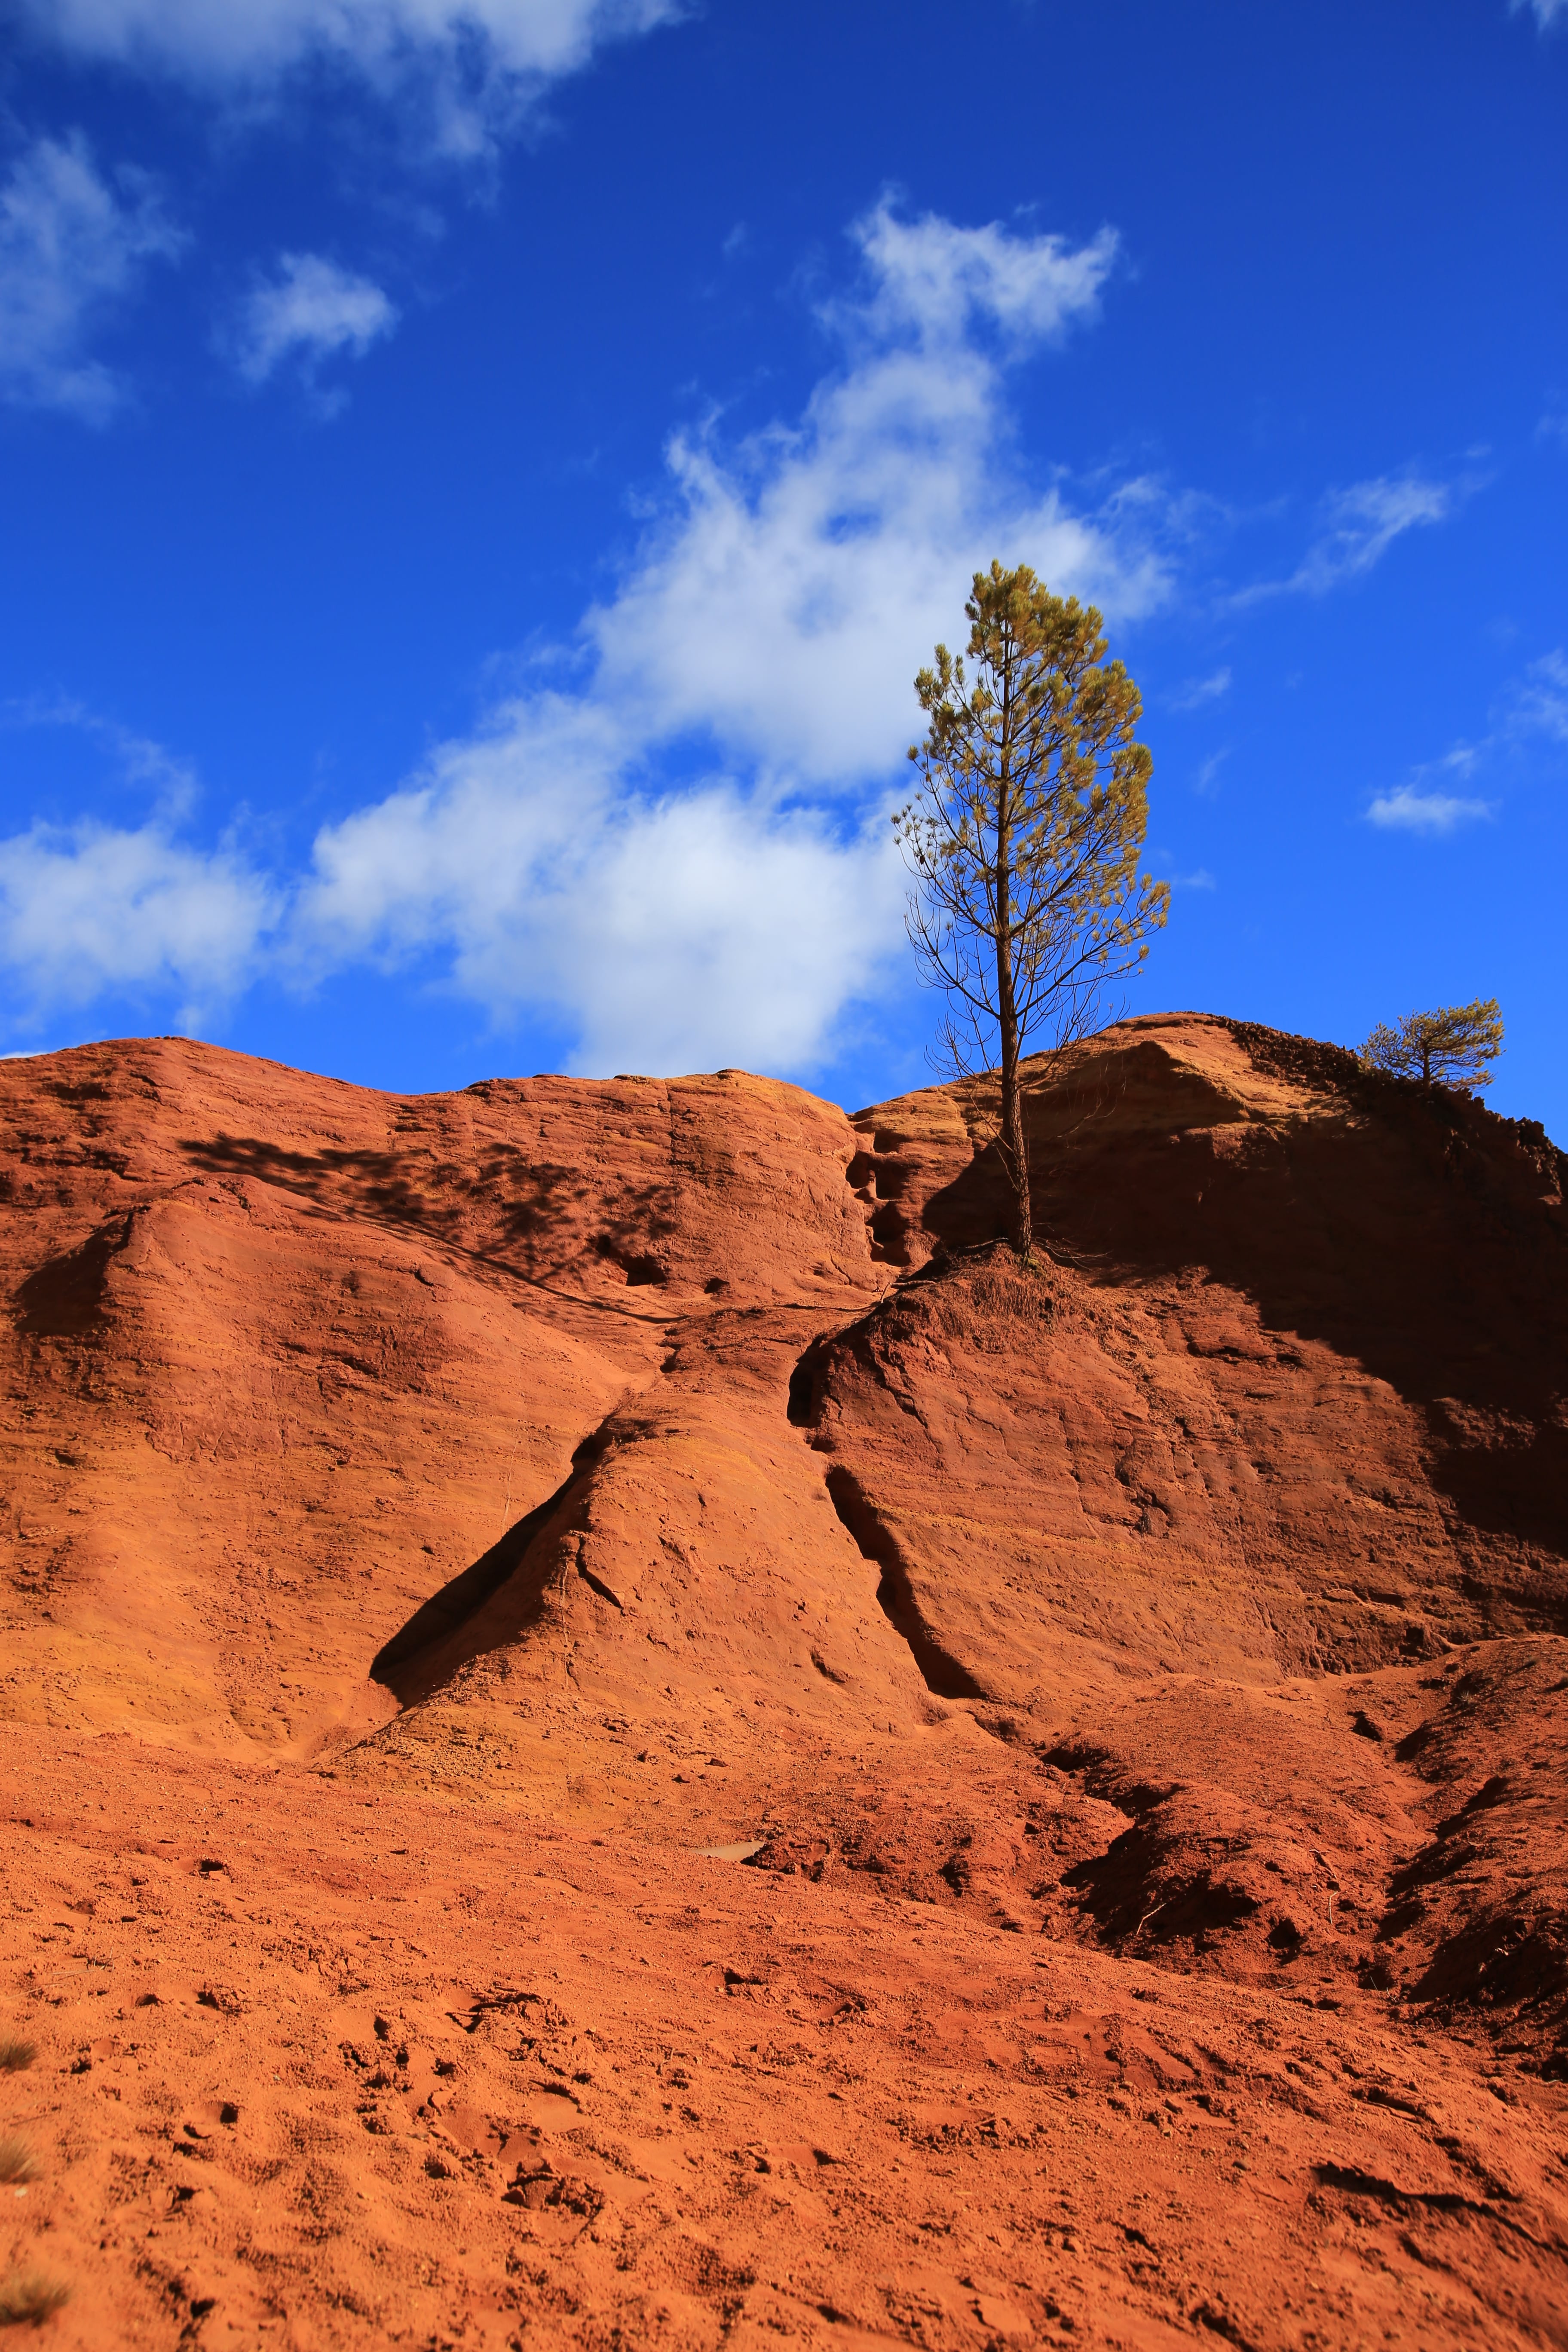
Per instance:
{"type": "Point", "coordinates": [1362, 524]}
{"type": "Point", "coordinates": [1199, 691]}
{"type": "Point", "coordinates": [1356, 527]}
{"type": "Point", "coordinates": [471, 67]}
{"type": "Point", "coordinates": [137, 758]}
{"type": "Point", "coordinates": [675, 842]}
{"type": "Point", "coordinates": [1539, 704]}
{"type": "Point", "coordinates": [309, 311]}
{"type": "Point", "coordinates": [1200, 878]}
{"type": "Point", "coordinates": [1531, 708]}
{"type": "Point", "coordinates": [1409, 810]}
{"type": "Point", "coordinates": [73, 246]}
{"type": "Point", "coordinates": [1546, 13]}
{"type": "Point", "coordinates": [1205, 783]}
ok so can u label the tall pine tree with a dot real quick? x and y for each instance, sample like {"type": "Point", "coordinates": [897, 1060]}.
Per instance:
{"type": "Point", "coordinates": [1024, 838]}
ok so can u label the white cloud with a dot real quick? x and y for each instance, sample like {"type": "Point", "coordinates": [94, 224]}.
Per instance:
{"type": "Point", "coordinates": [1199, 691]}
{"type": "Point", "coordinates": [1546, 13]}
{"type": "Point", "coordinates": [91, 909]}
{"type": "Point", "coordinates": [471, 63]}
{"type": "Point", "coordinates": [763, 640]}
{"type": "Point", "coordinates": [1528, 708]}
{"type": "Point", "coordinates": [71, 248]}
{"type": "Point", "coordinates": [1200, 878]}
{"type": "Point", "coordinates": [677, 843]}
{"type": "Point", "coordinates": [779, 604]}
{"type": "Point", "coordinates": [1408, 810]}
{"type": "Point", "coordinates": [311, 311]}
{"type": "Point", "coordinates": [671, 931]}
{"type": "Point", "coordinates": [238, 36]}
{"type": "Point", "coordinates": [937, 281]}
{"type": "Point", "coordinates": [1205, 783]}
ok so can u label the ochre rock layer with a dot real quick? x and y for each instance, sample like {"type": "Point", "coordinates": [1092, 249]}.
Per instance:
{"type": "Point", "coordinates": [1092, 1678]}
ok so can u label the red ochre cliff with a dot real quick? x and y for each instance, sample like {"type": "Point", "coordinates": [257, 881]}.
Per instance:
{"type": "Point", "coordinates": [618, 1731]}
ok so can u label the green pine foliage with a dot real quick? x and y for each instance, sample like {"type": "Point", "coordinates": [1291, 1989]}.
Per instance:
{"type": "Point", "coordinates": [1452, 1046]}
{"type": "Point", "coordinates": [1025, 839]}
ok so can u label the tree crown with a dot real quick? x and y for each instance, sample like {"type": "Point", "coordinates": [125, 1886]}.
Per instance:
{"type": "Point", "coordinates": [1024, 841]}
{"type": "Point", "coordinates": [1453, 1044]}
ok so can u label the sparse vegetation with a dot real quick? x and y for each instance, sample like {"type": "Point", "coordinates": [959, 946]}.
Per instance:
{"type": "Point", "coordinates": [28, 2298]}
{"type": "Point", "coordinates": [997, 1290]}
{"type": "Point", "coordinates": [16, 2056]}
{"type": "Point", "coordinates": [1452, 1046]}
{"type": "Point", "coordinates": [16, 2162]}
{"type": "Point", "coordinates": [974, 1296]}
{"type": "Point", "coordinates": [1024, 838]}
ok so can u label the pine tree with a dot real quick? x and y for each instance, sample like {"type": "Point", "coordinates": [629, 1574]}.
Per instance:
{"type": "Point", "coordinates": [1452, 1045]}
{"type": "Point", "coordinates": [1024, 838]}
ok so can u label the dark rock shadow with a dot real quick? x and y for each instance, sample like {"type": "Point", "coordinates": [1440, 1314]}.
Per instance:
{"type": "Point", "coordinates": [939, 1669]}
{"type": "Point", "coordinates": [459, 1623]}
{"type": "Point", "coordinates": [503, 1208]}
{"type": "Point", "coordinates": [1133, 1887]}
{"type": "Point", "coordinates": [63, 1297]}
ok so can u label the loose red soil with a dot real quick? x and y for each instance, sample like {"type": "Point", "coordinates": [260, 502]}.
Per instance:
{"type": "Point", "coordinates": [1128, 1698]}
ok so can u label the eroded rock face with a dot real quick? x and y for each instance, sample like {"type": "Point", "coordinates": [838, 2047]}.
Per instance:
{"type": "Point", "coordinates": [685, 1465]}
{"type": "Point", "coordinates": [1278, 1420]}
{"type": "Point", "coordinates": [286, 1357]}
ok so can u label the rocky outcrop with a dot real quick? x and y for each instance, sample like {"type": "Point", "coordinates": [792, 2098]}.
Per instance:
{"type": "Point", "coordinates": [286, 1357]}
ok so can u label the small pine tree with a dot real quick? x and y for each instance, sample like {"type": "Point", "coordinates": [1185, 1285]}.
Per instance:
{"type": "Point", "coordinates": [1451, 1046]}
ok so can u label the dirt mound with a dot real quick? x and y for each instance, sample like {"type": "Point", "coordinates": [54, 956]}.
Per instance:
{"type": "Point", "coordinates": [496, 1509]}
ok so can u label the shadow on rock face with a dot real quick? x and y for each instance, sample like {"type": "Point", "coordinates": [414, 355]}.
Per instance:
{"type": "Point", "coordinates": [1405, 1229]}
{"type": "Point", "coordinates": [942, 1675]}
{"type": "Point", "coordinates": [445, 1635]}
{"type": "Point", "coordinates": [64, 1299]}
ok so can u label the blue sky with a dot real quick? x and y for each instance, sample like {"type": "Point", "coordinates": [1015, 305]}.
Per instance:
{"type": "Point", "coordinates": [478, 482]}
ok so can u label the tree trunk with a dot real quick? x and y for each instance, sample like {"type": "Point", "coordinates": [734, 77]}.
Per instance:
{"type": "Point", "coordinates": [1014, 1150]}
{"type": "Point", "coordinates": [1014, 1147]}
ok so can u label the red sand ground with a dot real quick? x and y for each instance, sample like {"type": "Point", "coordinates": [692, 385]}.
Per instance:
{"type": "Point", "coordinates": [1139, 1690]}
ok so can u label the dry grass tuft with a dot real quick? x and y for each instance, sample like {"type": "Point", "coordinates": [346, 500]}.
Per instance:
{"type": "Point", "coordinates": [1019, 1296]}
{"type": "Point", "coordinates": [998, 1290]}
{"type": "Point", "coordinates": [16, 2056]}
{"type": "Point", "coordinates": [28, 2298]}
{"type": "Point", "coordinates": [17, 2161]}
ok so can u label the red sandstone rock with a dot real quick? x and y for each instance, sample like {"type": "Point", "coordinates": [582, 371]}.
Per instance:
{"type": "Point", "coordinates": [286, 1355]}
{"type": "Point", "coordinates": [1139, 1686]}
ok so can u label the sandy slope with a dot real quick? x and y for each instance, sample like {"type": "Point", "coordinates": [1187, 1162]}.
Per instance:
{"type": "Point", "coordinates": [493, 2083]}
